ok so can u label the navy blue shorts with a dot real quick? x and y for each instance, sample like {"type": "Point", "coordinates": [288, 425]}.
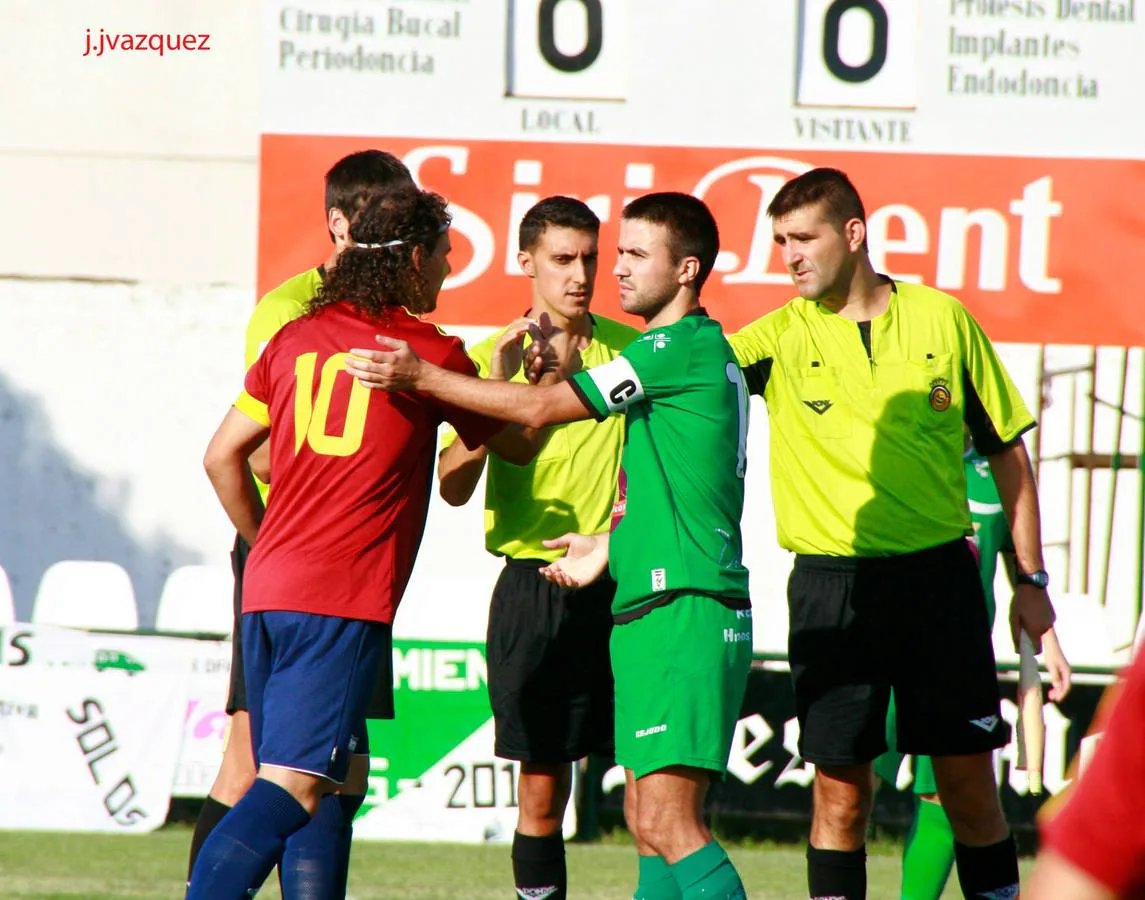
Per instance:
{"type": "Point", "coordinates": [308, 683]}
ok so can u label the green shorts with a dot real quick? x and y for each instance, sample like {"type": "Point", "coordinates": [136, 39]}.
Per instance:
{"type": "Point", "coordinates": [680, 673]}
{"type": "Point", "coordinates": [887, 766]}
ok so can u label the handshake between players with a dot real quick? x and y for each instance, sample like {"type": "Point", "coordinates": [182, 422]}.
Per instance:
{"type": "Point", "coordinates": [546, 357]}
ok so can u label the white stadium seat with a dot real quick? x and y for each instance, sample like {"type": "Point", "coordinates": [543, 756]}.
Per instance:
{"type": "Point", "coordinates": [7, 604]}
{"type": "Point", "coordinates": [86, 594]}
{"type": "Point", "coordinates": [197, 599]}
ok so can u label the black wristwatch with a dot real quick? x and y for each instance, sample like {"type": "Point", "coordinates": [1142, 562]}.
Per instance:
{"type": "Point", "coordinates": [1039, 579]}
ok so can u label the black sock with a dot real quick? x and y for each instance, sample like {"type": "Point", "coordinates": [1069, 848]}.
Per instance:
{"type": "Point", "coordinates": [539, 866]}
{"type": "Point", "coordinates": [209, 816]}
{"type": "Point", "coordinates": [988, 871]}
{"type": "Point", "coordinates": [837, 873]}
{"type": "Point", "coordinates": [351, 803]}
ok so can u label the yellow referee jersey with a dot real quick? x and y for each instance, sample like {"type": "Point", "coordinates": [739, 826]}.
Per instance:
{"type": "Point", "coordinates": [280, 305]}
{"type": "Point", "coordinates": [571, 484]}
{"type": "Point", "coordinates": [866, 448]}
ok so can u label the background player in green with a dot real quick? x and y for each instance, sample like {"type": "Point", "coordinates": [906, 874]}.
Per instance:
{"type": "Point", "coordinates": [550, 682]}
{"type": "Point", "coordinates": [681, 646]}
{"type": "Point", "coordinates": [348, 184]}
{"type": "Point", "coordinates": [868, 384]}
{"type": "Point", "coordinates": [928, 853]}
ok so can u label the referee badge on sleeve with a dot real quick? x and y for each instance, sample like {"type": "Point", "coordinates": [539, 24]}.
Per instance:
{"type": "Point", "coordinates": [939, 395]}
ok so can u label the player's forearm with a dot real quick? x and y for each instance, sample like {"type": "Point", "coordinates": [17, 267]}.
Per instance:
{"type": "Point", "coordinates": [237, 493]}
{"type": "Point", "coordinates": [1019, 494]}
{"type": "Point", "coordinates": [458, 471]}
{"type": "Point", "coordinates": [527, 443]}
{"type": "Point", "coordinates": [524, 404]}
{"type": "Point", "coordinates": [259, 462]}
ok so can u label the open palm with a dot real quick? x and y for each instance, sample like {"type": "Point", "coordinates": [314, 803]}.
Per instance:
{"type": "Point", "coordinates": [585, 560]}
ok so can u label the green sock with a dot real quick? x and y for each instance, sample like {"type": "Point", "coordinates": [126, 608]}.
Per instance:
{"type": "Point", "coordinates": [656, 880]}
{"type": "Point", "coordinates": [928, 855]}
{"type": "Point", "coordinates": [708, 874]}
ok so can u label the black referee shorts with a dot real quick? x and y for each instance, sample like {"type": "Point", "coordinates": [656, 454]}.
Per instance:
{"type": "Point", "coordinates": [916, 623]}
{"type": "Point", "coordinates": [550, 679]}
{"type": "Point", "coordinates": [381, 704]}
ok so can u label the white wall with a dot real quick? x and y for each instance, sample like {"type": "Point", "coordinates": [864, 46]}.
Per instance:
{"type": "Point", "coordinates": [129, 166]}
{"type": "Point", "coordinates": [127, 266]}
{"type": "Point", "coordinates": [107, 396]}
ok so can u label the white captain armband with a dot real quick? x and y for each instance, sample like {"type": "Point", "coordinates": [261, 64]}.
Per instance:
{"type": "Point", "coordinates": [618, 384]}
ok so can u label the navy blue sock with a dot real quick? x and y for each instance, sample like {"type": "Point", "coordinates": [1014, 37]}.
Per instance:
{"type": "Point", "coordinates": [311, 861]}
{"type": "Point", "coordinates": [244, 847]}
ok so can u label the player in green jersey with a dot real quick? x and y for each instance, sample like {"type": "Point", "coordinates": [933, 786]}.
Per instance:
{"type": "Point", "coordinates": [681, 646]}
{"type": "Point", "coordinates": [928, 853]}
{"type": "Point", "coordinates": [868, 381]}
{"type": "Point", "coordinates": [550, 683]}
{"type": "Point", "coordinates": [348, 184]}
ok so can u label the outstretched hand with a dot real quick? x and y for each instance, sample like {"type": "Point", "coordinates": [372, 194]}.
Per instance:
{"type": "Point", "coordinates": [394, 368]}
{"type": "Point", "coordinates": [540, 356]}
{"type": "Point", "coordinates": [585, 561]}
{"type": "Point", "coordinates": [509, 350]}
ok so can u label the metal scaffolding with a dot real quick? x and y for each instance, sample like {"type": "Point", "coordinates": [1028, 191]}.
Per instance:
{"type": "Point", "coordinates": [1081, 459]}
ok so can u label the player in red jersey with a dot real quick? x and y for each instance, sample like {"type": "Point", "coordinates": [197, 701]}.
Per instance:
{"type": "Point", "coordinates": [1093, 845]}
{"type": "Point", "coordinates": [348, 183]}
{"type": "Point", "coordinates": [352, 475]}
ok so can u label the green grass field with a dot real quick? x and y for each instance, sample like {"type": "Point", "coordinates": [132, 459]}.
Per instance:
{"type": "Point", "coordinates": [54, 866]}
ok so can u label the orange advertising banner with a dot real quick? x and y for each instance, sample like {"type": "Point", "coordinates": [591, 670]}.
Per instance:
{"type": "Point", "coordinates": [1039, 250]}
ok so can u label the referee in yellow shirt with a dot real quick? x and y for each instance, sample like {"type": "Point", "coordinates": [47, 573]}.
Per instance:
{"type": "Point", "coordinates": [868, 382]}
{"type": "Point", "coordinates": [550, 680]}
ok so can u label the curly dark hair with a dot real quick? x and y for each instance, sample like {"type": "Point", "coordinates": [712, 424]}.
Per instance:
{"type": "Point", "coordinates": [377, 278]}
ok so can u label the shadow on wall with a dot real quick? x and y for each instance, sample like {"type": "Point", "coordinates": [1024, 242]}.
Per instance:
{"type": "Point", "coordinates": [52, 508]}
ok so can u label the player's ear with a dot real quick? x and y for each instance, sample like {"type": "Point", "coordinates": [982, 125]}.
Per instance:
{"type": "Point", "coordinates": [418, 256]}
{"type": "Point", "coordinates": [339, 227]}
{"type": "Point", "coordinates": [525, 261]}
{"type": "Point", "coordinates": [855, 231]}
{"type": "Point", "coordinates": [689, 270]}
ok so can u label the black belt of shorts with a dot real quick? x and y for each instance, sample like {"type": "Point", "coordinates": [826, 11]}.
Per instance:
{"type": "Point", "coordinates": [525, 562]}
{"type": "Point", "coordinates": [917, 558]}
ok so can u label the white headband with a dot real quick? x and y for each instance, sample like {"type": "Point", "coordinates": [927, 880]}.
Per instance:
{"type": "Point", "coordinates": [395, 243]}
{"type": "Point", "coordinates": [380, 246]}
